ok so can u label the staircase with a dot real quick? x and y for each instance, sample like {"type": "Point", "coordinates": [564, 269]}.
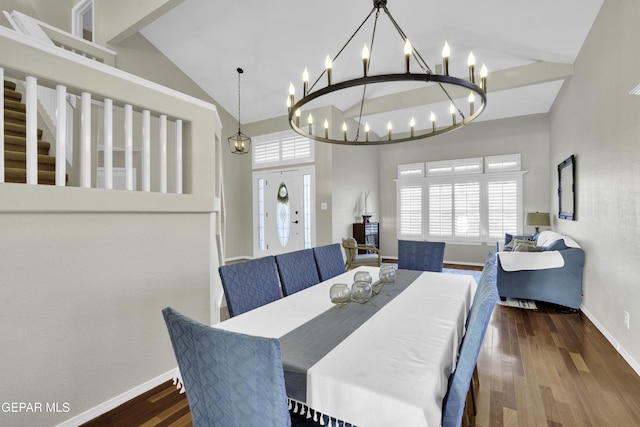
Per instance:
{"type": "Point", "coordinates": [15, 142]}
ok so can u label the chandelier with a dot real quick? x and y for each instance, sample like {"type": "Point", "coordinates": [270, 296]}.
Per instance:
{"type": "Point", "coordinates": [239, 143]}
{"type": "Point", "coordinates": [457, 117]}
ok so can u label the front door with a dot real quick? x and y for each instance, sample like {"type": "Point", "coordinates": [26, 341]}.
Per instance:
{"type": "Point", "coordinates": [283, 214]}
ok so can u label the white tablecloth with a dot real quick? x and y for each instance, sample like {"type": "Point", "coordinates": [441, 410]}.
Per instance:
{"type": "Point", "coordinates": [394, 369]}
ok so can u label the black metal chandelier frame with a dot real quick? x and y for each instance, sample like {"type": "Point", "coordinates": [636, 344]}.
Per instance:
{"type": "Point", "coordinates": [427, 76]}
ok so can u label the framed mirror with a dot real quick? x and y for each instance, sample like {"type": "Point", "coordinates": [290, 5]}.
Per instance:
{"type": "Point", "coordinates": [566, 189]}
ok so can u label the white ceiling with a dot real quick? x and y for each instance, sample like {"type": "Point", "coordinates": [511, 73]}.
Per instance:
{"type": "Point", "coordinates": [273, 41]}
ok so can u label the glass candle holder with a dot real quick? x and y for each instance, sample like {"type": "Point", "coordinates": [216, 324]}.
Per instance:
{"type": "Point", "coordinates": [387, 273]}
{"type": "Point", "coordinates": [340, 293]}
{"type": "Point", "coordinates": [362, 276]}
{"type": "Point", "coordinates": [361, 292]}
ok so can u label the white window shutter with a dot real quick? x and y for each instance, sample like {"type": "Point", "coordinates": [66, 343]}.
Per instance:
{"type": "Point", "coordinates": [502, 201]}
{"type": "Point", "coordinates": [410, 210]}
{"type": "Point", "coordinates": [441, 210]}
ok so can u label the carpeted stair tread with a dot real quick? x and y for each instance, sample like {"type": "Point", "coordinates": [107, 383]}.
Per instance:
{"type": "Point", "coordinates": [20, 176]}
{"type": "Point", "coordinates": [17, 129]}
{"type": "Point", "coordinates": [12, 95]}
{"type": "Point", "coordinates": [12, 105]}
{"type": "Point", "coordinates": [9, 85]}
{"type": "Point", "coordinates": [19, 143]}
{"type": "Point", "coordinates": [14, 116]}
{"type": "Point", "coordinates": [18, 160]}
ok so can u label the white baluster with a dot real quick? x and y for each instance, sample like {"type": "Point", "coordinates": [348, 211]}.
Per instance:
{"type": "Point", "coordinates": [128, 146]}
{"type": "Point", "coordinates": [61, 135]}
{"type": "Point", "coordinates": [2, 129]}
{"type": "Point", "coordinates": [178, 156]}
{"type": "Point", "coordinates": [163, 153]}
{"type": "Point", "coordinates": [146, 150]}
{"type": "Point", "coordinates": [85, 141]}
{"type": "Point", "coordinates": [32, 130]}
{"type": "Point", "coordinates": [108, 144]}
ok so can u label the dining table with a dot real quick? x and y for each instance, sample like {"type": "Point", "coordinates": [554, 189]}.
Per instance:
{"type": "Point", "coordinates": [384, 362]}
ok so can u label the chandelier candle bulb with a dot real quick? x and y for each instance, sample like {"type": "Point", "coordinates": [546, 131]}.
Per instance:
{"type": "Point", "coordinates": [292, 92]}
{"type": "Point", "coordinates": [389, 130]}
{"type": "Point", "coordinates": [412, 125]}
{"type": "Point", "coordinates": [326, 128]}
{"type": "Point", "coordinates": [366, 132]}
{"type": "Point", "coordinates": [310, 122]}
{"type": "Point", "coordinates": [298, 118]}
{"type": "Point", "coordinates": [452, 110]}
{"type": "Point", "coordinates": [446, 51]}
{"type": "Point", "coordinates": [483, 77]}
{"type": "Point", "coordinates": [344, 130]}
{"type": "Point", "coordinates": [365, 59]}
{"type": "Point", "coordinates": [433, 122]}
{"type": "Point", "coordinates": [471, 61]}
{"type": "Point", "coordinates": [328, 65]}
{"type": "Point", "coordinates": [472, 100]}
{"type": "Point", "coordinates": [305, 82]}
{"type": "Point", "coordinates": [407, 55]}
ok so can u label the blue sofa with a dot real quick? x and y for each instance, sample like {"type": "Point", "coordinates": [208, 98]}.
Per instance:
{"type": "Point", "coordinates": [542, 275]}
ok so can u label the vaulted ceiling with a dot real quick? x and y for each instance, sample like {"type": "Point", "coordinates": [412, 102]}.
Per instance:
{"type": "Point", "coordinates": [528, 47]}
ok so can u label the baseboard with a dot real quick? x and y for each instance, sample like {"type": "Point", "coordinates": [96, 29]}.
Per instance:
{"type": "Point", "coordinates": [118, 400]}
{"type": "Point", "coordinates": [626, 356]}
{"type": "Point", "coordinates": [237, 259]}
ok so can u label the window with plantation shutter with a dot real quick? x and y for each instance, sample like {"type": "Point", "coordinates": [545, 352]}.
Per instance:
{"type": "Point", "coordinates": [266, 152]}
{"type": "Point", "coordinates": [296, 148]}
{"type": "Point", "coordinates": [502, 202]}
{"type": "Point", "coordinates": [281, 149]}
{"type": "Point", "coordinates": [410, 210]}
{"type": "Point", "coordinates": [441, 210]}
{"type": "Point", "coordinates": [467, 210]}
{"type": "Point", "coordinates": [467, 200]}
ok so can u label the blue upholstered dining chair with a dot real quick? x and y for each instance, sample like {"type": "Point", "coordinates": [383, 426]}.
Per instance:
{"type": "Point", "coordinates": [484, 302]}
{"type": "Point", "coordinates": [420, 255]}
{"type": "Point", "coordinates": [329, 261]}
{"type": "Point", "coordinates": [250, 284]}
{"type": "Point", "coordinates": [297, 271]}
{"type": "Point", "coordinates": [231, 379]}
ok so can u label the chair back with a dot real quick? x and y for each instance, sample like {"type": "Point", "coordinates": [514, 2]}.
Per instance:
{"type": "Point", "coordinates": [350, 246]}
{"type": "Point", "coordinates": [297, 271]}
{"type": "Point", "coordinates": [231, 379]}
{"type": "Point", "coordinates": [420, 255]}
{"type": "Point", "coordinates": [329, 261]}
{"type": "Point", "coordinates": [250, 284]}
{"type": "Point", "coordinates": [484, 302]}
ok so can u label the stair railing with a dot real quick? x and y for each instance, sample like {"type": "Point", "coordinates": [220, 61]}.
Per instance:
{"type": "Point", "coordinates": [150, 134]}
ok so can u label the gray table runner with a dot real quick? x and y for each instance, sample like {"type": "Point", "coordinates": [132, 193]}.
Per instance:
{"type": "Point", "coordinates": [307, 344]}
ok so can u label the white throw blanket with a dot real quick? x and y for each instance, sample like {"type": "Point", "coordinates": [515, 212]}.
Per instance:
{"type": "Point", "coordinates": [516, 261]}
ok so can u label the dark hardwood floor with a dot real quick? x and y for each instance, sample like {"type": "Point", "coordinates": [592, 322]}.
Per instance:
{"type": "Point", "coordinates": [545, 367]}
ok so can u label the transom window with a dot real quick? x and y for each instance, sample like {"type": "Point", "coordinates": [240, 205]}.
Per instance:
{"type": "Point", "coordinates": [466, 200]}
{"type": "Point", "coordinates": [280, 149]}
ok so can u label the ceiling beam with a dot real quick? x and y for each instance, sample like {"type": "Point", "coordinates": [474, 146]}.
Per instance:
{"type": "Point", "coordinates": [512, 78]}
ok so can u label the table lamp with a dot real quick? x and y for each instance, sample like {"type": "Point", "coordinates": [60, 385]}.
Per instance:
{"type": "Point", "coordinates": [538, 219]}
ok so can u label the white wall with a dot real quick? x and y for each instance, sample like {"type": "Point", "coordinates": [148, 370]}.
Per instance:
{"type": "Point", "coordinates": [525, 135]}
{"type": "Point", "coordinates": [597, 120]}
{"type": "Point", "coordinates": [81, 304]}
{"type": "Point", "coordinates": [355, 170]}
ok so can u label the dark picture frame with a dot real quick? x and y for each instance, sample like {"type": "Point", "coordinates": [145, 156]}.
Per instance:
{"type": "Point", "coordinates": [566, 189]}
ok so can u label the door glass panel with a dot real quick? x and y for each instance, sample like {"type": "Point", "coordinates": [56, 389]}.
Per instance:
{"type": "Point", "coordinates": [283, 214]}
{"type": "Point", "coordinates": [306, 196]}
{"type": "Point", "coordinates": [261, 239]}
